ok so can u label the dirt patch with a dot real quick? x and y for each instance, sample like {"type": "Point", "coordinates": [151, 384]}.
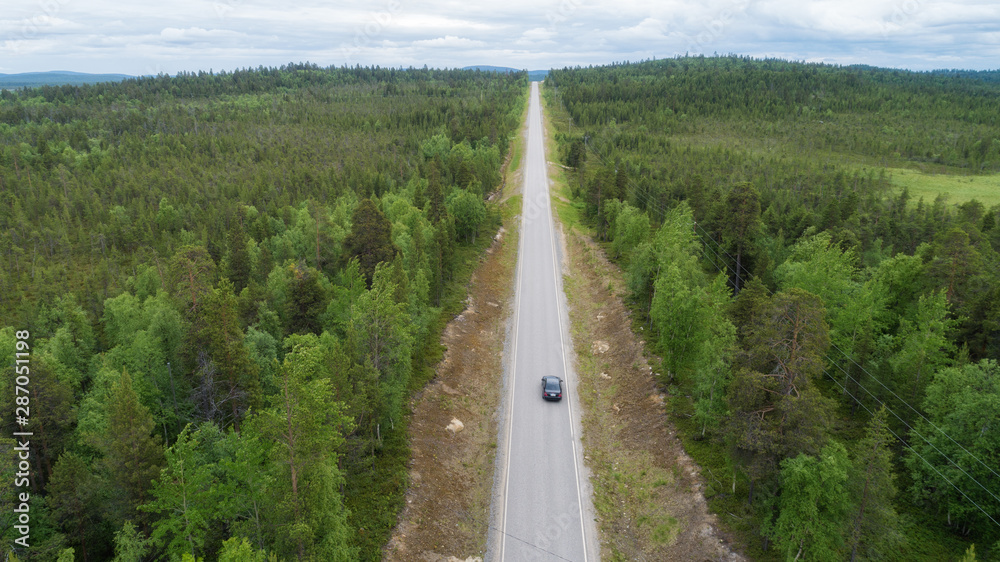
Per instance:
{"type": "Point", "coordinates": [648, 491]}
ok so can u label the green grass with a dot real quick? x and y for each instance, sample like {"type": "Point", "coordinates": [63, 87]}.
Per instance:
{"type": "Point", "coordinates": [958, 189]}
{"type": "Point", "coordinates": [517, 144]}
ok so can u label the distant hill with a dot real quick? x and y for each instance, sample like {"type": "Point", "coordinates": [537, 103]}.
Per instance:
{"type": "Point", "coordinates": [55, 78]}
{"type": "Point", "coordinates": [533, 75]}
{"type": "Point", "coordinates": [537, 75]}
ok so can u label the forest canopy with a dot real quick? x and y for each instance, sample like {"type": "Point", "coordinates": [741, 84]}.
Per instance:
{"type": "Point", "coordinates": [822, 332]}
{"type": "Point", "coordinates": [231, 283]}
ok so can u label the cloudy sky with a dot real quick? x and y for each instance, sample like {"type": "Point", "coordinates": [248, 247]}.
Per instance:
{"type": "Point", "coordinates": [147, 37]}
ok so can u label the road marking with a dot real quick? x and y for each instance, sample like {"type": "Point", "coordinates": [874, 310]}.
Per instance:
{"type": "Point", "coordinates": [562, 343]}
{"type": "Point", "coordinates": [513, 355]}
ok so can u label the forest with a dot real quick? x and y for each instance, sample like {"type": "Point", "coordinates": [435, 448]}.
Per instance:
{"type": "Point", "coordinates": [829, 342]}
{"type": "Point", "coordinates": [218, 291]}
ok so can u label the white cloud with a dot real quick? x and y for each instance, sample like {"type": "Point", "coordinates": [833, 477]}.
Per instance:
{"type": "Point", "coordinates": [196, 34]}
{"type": "Point", "coordinates": [449, 41]}
{"type": "Point", "coordinates": [105, 36]}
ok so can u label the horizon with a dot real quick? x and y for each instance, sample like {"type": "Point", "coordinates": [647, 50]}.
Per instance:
{"type": "Point", "coordinates": [496, 66]}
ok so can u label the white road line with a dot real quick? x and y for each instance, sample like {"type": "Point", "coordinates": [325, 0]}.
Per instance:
{"type": "Point", "coordinates": [513, 357]}
{"type": "Point", "coordinates": [562, 343]}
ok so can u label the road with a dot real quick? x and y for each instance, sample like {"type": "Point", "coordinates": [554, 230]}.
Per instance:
{"type": "Point", "coordinates": [542, 508]}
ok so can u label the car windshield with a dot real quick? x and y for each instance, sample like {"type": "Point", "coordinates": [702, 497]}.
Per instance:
{"type": "Point", "coordinates": [551, 384]}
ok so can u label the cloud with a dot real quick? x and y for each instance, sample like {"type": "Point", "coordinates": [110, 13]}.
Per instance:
{"type": "Point", "coordinates": [449, 41]}
{"type": "Point", "coordinates": [106, 36]}
{"type": "Point", "coordinates": [197, 34]}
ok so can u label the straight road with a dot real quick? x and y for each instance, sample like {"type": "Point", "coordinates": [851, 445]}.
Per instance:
{"type": "Point", "coordinates": [542, 497]}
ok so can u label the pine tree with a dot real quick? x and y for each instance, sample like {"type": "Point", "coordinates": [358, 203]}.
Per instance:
{"type": "Point", "coordinates": [75, 503]}
{"type": "Point", "coordinates": [222, 337]}
{"type": "Point", "coordinates": [133, 454]}
{"type": "Point", "coordinates": [873, 530]}
{"type": "Point", "coordinates": [742, 211]}
{"type": "Point", "coordinates": [370, 239]}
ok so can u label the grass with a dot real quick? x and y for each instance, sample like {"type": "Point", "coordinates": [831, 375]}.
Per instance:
{"type": "Point", "coordinates": [517, 143]}
{"type": "Point", "coordinates": [957, 188]}
{"type": "Point", "coordinates": [923, 179]}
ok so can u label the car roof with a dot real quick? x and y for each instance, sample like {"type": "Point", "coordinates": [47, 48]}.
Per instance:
{"type": "Point", "coordinates": [550, 379]}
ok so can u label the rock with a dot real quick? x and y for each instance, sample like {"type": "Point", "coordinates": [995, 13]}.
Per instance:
{"type": "Point", "coordinates": [455, 426]}
{"type": "Point", "coordinates": [605, 376]}
{"type": "Point", "coordinates": [599, 347]}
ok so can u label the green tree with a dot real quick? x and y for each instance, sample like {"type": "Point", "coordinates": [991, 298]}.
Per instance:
{"type": "Point", "coordinates": [469, 212]}
{"type": "Point", "coordinates": [247, 486]}
{"type": "Point", "coordinates": [240, 550]}
{"type": "Point", "coordinates": [712, 367]}
{"type": "Point", "coordinates": [874, 530]}
{"type": "Point", "coordinates": [380, 335]}
{"type": "Point", "coordinates": [631, 229]}
{"type": "Point", "coordinates": [814, 505]}
{"type": "Point", "coordinates": [741, 225]}
{"type": "Point", "coordinates": [855, 310]}
{"type": "Point", "coordinates": [130, 544]}
{"type": "Point", "coordinates": [183, 498]}
{"type": "Point", "coordinates": [922, 345]}
{"type": "Point", "coordinates": [307, 426]}
{"type": "Point", "coordinates": [963, 446]}
{"type": "Point", "coordinates": [370, 239]}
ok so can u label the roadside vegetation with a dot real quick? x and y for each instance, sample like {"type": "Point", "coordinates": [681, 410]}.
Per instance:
{"type": "Point", "coordinates": [828, 341]}
{"type": "Point", "coordinates": [233, 283]}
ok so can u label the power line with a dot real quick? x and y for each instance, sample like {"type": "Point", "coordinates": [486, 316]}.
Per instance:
{"type": "Point", "coordinates": [914, 451]}
{"type": "Point", "coordinates": [912, 429]}
{"type": "Point", "coordinates": [532, 545]}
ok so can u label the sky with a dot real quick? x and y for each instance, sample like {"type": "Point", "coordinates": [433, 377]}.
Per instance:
{"type": "Point", "coordinates": [169, 36]}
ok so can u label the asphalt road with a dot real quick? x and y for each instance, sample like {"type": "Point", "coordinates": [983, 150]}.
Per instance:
{"type": "Point", "coordinates": [542, 507]}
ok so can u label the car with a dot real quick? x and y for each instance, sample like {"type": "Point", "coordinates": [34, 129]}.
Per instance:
{"type": "Point", "coordinates": [552, 388]}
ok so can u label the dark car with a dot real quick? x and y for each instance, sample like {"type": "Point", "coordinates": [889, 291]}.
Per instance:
{"type": "Point", "coordinates": [552, 388]}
